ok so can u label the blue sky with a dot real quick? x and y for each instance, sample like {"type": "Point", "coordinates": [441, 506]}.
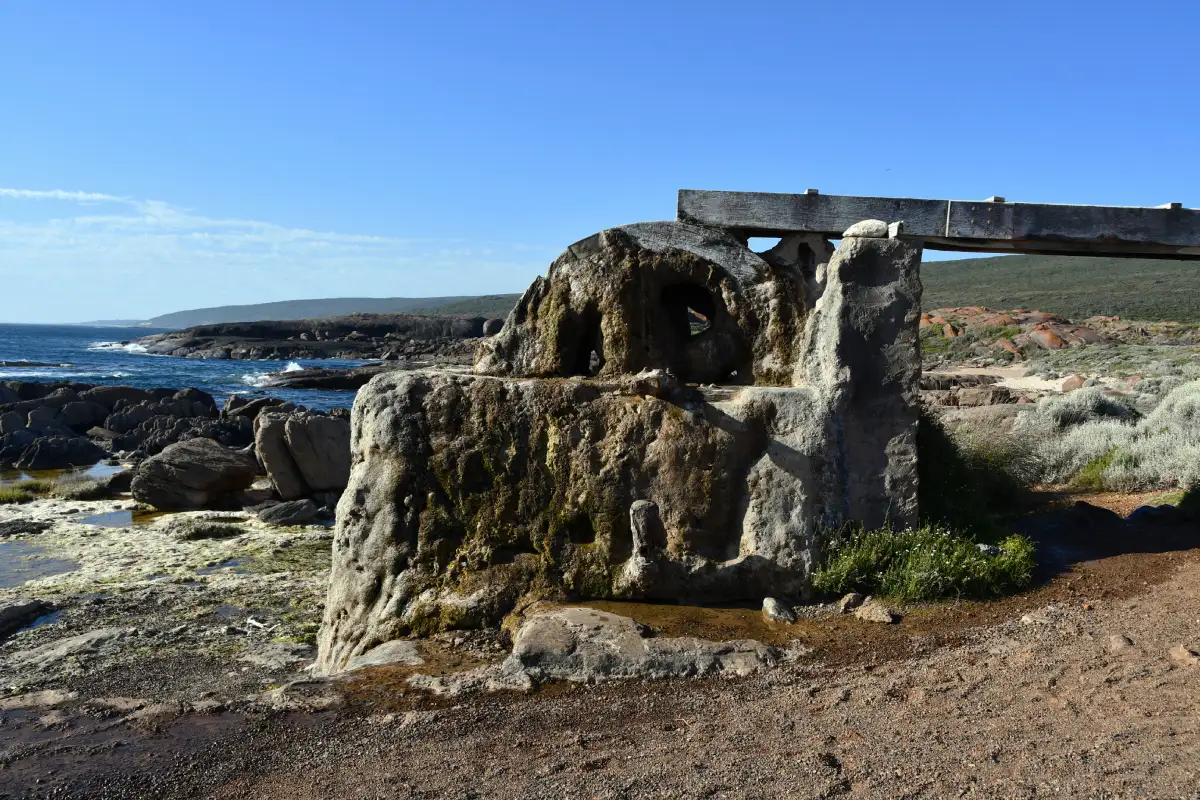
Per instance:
{"type": "Point", "coordinates": [159, 156]}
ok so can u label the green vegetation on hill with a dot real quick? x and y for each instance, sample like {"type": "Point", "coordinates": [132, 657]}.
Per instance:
{"type": "Point", "coordinates": [490, 305]}
{"type": "Point", "coordinates": [1073, 286]}
{"type": "Point", "coordinates": [332, 307]}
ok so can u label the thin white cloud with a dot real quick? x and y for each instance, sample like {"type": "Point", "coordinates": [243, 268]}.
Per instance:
{"type": "Point", "coordinates": [59, 194]}
{"type": "Point", "coordinates": [148, 257]}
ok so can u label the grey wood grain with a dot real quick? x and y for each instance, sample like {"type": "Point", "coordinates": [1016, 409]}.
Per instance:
{"type": "Point", "coordinates": [1170, 232]}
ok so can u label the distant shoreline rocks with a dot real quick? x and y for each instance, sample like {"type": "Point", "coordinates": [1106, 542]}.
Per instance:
{"type": "Point", "coordinates": [394, 337]}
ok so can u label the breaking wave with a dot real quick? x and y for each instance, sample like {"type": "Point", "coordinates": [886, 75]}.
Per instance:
{"type": "Point", "coordinates": [127, 347]}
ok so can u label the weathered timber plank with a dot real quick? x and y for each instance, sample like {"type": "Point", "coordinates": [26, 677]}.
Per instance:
{"type": "Point", "coordinates": [1171, 232]}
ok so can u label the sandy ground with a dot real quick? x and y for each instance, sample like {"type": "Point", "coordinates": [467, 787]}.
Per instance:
{"type": "Point", "coordinates": [1068, 690]}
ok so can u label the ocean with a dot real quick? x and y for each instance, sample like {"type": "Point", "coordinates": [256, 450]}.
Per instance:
{"type": "Point", "coordinates": [97, 355]}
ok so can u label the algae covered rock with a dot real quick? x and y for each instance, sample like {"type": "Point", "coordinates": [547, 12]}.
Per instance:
{"type": "Point", "coordinates": [471, 494]}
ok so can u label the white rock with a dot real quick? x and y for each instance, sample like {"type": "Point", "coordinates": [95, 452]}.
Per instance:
{"type": "Point", "coordinates": [775, 611]}
{"type": "Point", "coordinates": [867, 229]}
{"type": "Point", "coordinates": [874, 611]}
{"type": "Point", "coordinates": [398, 651]}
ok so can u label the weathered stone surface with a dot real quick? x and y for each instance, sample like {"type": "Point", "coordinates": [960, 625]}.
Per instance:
{"type": "Point", "coordinates": [270, 443]}
{"type": "Point", "coordinates": [197, 473]}
{"type": "Point", "coordinates": [292, 512]}
{"type": "Point", "coordinates": [398, 651]}
{"type": "Point", "coordinates": [868, 228]}
{"type": "Point", "coordinates": [320, 446]}
{"type": "Point", "coordinates": [583, 644]}
{"type": "Point", "coordinates": [492, 327]}
{"type": "Point", "coordinates": [874, 611]}
{"type": "Point", "coordinates": [618, 303]}
{"type": "Point", "coordinates": [303, 453]}
{"type": "Point", "coordinates": [850, 601]}
{"type": "Point", "coordinates": [467, 493]}
{"type": "Point", "coordinates": [84, 644]}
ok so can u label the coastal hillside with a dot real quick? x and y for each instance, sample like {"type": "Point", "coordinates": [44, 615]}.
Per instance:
{"type": "Point", "coordinates": [1074, 287]}
{"type": "Point", "coordinates": [486, 306]}
{"type": "Point", "coordinates": [1071, 286]}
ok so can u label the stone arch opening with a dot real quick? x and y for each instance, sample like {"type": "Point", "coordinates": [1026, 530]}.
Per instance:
{"type": "Point", "coordinates": [690, 310]}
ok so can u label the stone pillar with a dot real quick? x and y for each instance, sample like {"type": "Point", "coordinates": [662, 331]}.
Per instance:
{"type": "Point", "coordinates": [863, 351]}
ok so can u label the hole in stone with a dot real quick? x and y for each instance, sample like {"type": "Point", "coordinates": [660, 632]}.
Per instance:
{"type": "Point", "coordinates": [689, 309]}
{"type": "Point", "coordinates": [580, 530]}
{"type": "Point", "coordinates": [761, 244]}
{"type": "Point", "coordinates": [589, 355]}
{"type": "Point", "coordinates": [509, 552]}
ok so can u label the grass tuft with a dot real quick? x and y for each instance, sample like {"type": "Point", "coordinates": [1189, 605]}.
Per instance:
{"type": "Point", "coordinates": [190, 529]}
{"type": "Point", "coordinates": [928, 563]}
{"type": "Point", "coordinates": [15, 494]}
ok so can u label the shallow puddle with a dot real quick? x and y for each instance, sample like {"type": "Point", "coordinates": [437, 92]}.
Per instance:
{"type": "Point", "coordinates": [22, 561]}
{"type": "Point", "coordinates": [234, 565]}
{"type": "Point", "coordinates": [715, 623]}
{"type": "Point", "coordinates": [94, 472]}
{"type": "Point", "coordinates": [118, 519]}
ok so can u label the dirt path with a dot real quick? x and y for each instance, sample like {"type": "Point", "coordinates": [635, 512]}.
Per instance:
{"type": "Point", "coordinates": [1027, 697]}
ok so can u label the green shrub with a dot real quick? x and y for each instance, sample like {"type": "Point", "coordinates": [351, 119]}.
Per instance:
{"type": "Point", "coordinates": [15, 494]}
{"type": "Point", "coordinates": [962, 484]}
{"type": "Point", "coordinates": [928, 563]}
{"type": "Point", "coordinates": [1091, 477]}
{"type": "Point", "coordinates": [80, 490]}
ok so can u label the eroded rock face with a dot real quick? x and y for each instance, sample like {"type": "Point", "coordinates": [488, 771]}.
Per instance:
{"type": "Point", "coordinates": [468, 493]}
{"type": "Point", "coordinates": [197, 473]}
{"type": "Point", "coordinates": [664, 295]}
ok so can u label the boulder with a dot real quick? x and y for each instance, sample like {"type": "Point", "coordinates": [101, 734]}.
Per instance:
{"type": "Point", "coordinates": [583, 644]}
{"type": "Point", "coordinates": [197, 473]}
{"type": "Point", "coordinates": [110, 396]}
{"type": "Point", "coordinates": [22, 527]}
{"type": "Point", "coordinates": [775, 611]}
{"type": "Point", "coordinates": [320, 446]}
{"type": "Point", "coordinates": [11, 422]}
{"type": "Point", "coordinates": [293, 512]}
{"type": "Point", "coordinates": [468, 493]}
{"type": "Point", "coordinates": [492, 326]}
{"type": "Point", "coordinates": [270, 443]}
{"type": "Point", "coordinates": [16, 614]}
{"type": "Point", "coordinates": [58, 452]}
{"type": "Point", "coordinates": [81, 415]}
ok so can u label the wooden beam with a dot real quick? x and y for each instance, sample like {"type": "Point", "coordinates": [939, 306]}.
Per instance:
{"type": "Point", "coordinates": [983, 225]}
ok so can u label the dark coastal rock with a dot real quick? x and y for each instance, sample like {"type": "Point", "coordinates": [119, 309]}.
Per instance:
{"type": "Point", "coordinates": [348, 380]}
{"type": "Point", "coordinates": [349, 336]}
{"type": "Point", "coordinates": [82, 415]}
{"type": "Point", "coordinates": [238, 406]}
{"type": "Point", "coordinates": [16, 614]}
{"type": "Point", "coordinates": [492, 327]}
{"type": "Point", "coordinates": [293, 512]}
{"type": "Point", "coordinates": [197, 473]}
{"type": "Point", "coordinates": [58, 452]}
{"type": "Point", "coordinates": [22, 527]}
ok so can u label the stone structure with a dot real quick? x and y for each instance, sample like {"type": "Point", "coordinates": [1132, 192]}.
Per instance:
{"type": "Point", "coordinates": [666, 415]}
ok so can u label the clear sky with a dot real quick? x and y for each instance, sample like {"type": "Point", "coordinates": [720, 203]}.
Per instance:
{"type": "Point", "coordinates": [156, 156]}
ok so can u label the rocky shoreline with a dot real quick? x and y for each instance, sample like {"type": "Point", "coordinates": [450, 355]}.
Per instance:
{"type": "Point", "coordinates": [393, 337]}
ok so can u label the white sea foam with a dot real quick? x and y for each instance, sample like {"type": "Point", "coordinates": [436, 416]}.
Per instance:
{"type": "Point", "coordinates": [131, 347]}
{"type": "Point", "coordinates": [258, 379]}
{"type": "Point", "coordinates": [293, 366]}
